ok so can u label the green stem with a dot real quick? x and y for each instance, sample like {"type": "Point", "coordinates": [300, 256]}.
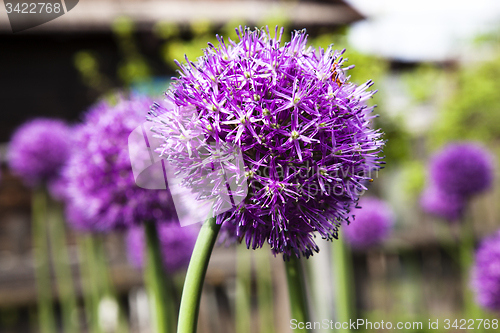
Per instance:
{"type": "Point", "coordinates": [191, 294]}
{"type": "Point", "coordinates": [64, 276]}
{"type": "Point", "coordinates": [42, 262]}
{"type": "Point", "coordinates": [297, 291]}
{"type": "Point", "coordinates": [466, 251]}
{"type": "Point", "coordinates": [91, 292]}
{"type": "Point", "coordinates": [342, 273]}
{"type": "Point", "coordinates": [158, 283]}
{"type": "Point", "coordinates": [105, 281]}
{"type": "Point", "coordinates": [243, 289]}
{"type": "Point", "coordinates": [264, 291]}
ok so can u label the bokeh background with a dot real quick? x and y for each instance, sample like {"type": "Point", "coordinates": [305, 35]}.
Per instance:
{"type": "Point", "coordinates": [436, 65]}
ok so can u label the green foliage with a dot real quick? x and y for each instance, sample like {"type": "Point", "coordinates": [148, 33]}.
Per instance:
{"type": "Point", "coordinates": [472, 112]}
{"type": "Point", "coordinates": [368, 67]}
{"type": "Point", "coordinates": [276, 18]}
{"type": "Point", "coordinates": [397, 148]}
{"type": "Point", "coordinates": [201, 28]}
{"type": "Point", "coordinates": [134, 66]}
{"type": "Point", "coordinates": [176, 48]}
{"type": "Point", "coordinates": [423, 82]}
{"type": "Point", "coordinates": [134, 69]}
{"type": "Point", "coordinates": [203, 32]}
{"type": "Point", "coordinates": [165, 30]}
{"type": "Point", "coordinates": [123, 26]}
{"type": "Point", "coordinates": [87, 64]}
{"type": "Point", "coordinates": [414, 175]}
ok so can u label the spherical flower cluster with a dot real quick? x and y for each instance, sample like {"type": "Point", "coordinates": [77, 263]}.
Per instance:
{"type": "Point", "coordinates": [303, 131]}
{"type": "Point", "coordinates": [372, 223]}
{"type": "Point", "coordinates": [38, 150]}
{"type": "Point", "coordinates": [462, 169]}
{"type": "Point", "coordinates": [101, 190]}
{"type": "Point", "coordinates": [486, 273]}
{"type": "Point", "coordinates": [457, 172]}
{"type": "Point", "coordinates": [444, 205]}
{"type": "Point", "coordinates": [176, 245]}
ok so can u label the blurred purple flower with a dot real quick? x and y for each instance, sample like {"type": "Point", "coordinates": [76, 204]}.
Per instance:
{"type": "Point", "coordinates": [372, 224]}
{"type": "Point", "coordinates": [462, 169]}
{"type": "Point", "coordinates": [303, 129]}
{"type": "Point", "coordinates": [38, 150]}
{"type": "Point", "coordinates": [176, 244]}
{"type": "Point", "coordinates": [101, 190]}
{"type": "Point", "coordinates": [57, 188]}
{"type": "Point", "coordinates": [447, 206]}
{"type": "Point", "coordinates": [486, 273]}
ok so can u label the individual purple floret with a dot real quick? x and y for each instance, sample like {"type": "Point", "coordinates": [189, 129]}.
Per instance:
{"type": "Point", "coordinates": [486, 273]}
{"type": "Point", "coordinates": [101, 189]}
{"type": "Point", "coordinates": [176, 244]}
{"type": "Point", "coordinates": [446, 206]}
{"type": "Point", "coordinates": [304, 132]}
{"type": "Point", "coordinates": [462, 169]}
{"type": "Point", "coordinates": [38, 149]}
{"type": "Point", "coordinates": [372, 224]}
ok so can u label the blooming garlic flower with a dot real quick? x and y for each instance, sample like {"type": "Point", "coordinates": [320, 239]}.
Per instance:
{"type": "Point", "coordinates": [372, 224]}
{"type": "Point", "coordinates": [302, 129]}
{"type": "Point", "coordinates": [101, 192]}
{"type": "Point", "coordinates": [38, 150]}
{"type": "Point", "coordinates": [486, 273]}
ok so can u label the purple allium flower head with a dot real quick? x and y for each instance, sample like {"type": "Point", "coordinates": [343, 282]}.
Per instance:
{"type": "Point", "coordinates": [462, 169]}
{"type": "Point", "coordinates": [303, 131]}
{"type": "Point", "coordinates": [372, 223]}
{"type": "Point", "coordinates": [38, 150]}
{"type": "Point", "coordinates": [176, 244]}
{"type": "Point", "coordinates": [444, 205]}
{"type": "Point", "coordinates": [486, 273]}
{"type": "Point", "coordinates": [101, 190]}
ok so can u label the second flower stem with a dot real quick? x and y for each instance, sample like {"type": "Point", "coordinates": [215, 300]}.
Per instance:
{"type": "Point", "coordinates": [158, 283]}
{"type": "Point", "coordinates": [42, 262]}
{"type": "Point", "coordinates": [193, 285]}
{"type": "Point", "coordinates": [466, 256]}
{"type": "Point", "coordinates": [64, 275]}
{"type": "Point", "coordinates": [297, 291]}
{"type": "Point", "coordinates": [342, 272]}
